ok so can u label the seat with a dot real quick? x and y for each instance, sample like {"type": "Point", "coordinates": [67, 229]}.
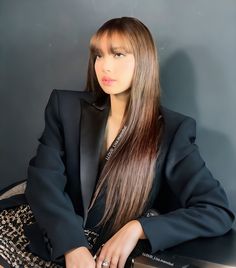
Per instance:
{"type": "Point", "coordinates": [14, 190]}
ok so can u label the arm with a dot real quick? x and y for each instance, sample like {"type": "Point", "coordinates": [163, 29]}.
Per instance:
{"type": "Point", "coordinates": [46, 181]}
{"type": "Point", "coordinates": [204, 208]}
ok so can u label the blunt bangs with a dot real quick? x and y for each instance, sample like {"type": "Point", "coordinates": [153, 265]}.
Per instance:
{"type": "Point", "coordinates": [95, 43]}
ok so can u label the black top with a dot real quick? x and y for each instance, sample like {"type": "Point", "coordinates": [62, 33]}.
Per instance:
{"type": "Point", "coordinates": [96, 212]}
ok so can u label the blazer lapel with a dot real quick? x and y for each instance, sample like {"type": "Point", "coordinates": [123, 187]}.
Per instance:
{"type": "Point", "coordinates": [92, 129]}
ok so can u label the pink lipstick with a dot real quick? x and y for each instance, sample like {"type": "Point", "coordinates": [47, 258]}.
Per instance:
{"type": "Point", "coordinates": [107, 80]}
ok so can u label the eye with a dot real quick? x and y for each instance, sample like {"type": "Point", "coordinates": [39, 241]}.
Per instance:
{"type": "Point", "coordinates": [119, 55]}
{"type": "Point", "coordinates": [97, 56]}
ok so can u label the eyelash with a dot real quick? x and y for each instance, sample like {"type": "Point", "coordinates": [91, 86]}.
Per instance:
{"type": "Point", "coordinates": [117, 53]}
{"type": "Point", "coordinates": [121, 54]}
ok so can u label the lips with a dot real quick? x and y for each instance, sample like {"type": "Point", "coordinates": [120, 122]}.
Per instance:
{"type": "Point", "coordinates": [107, 81]}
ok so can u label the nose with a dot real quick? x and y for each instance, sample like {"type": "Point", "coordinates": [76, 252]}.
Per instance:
{"type": "Point", "coordinates": [107, 64]}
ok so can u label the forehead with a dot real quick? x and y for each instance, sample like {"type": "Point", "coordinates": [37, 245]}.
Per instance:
{"type": "Point", "coordinates": [109, 42]}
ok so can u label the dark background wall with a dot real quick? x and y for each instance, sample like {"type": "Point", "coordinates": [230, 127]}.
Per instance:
{"type": "Point", "coordinates": [44, 45]}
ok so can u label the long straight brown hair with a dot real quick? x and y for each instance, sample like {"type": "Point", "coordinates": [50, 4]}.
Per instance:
{"type": "Point", "coordinates": [128, 174]}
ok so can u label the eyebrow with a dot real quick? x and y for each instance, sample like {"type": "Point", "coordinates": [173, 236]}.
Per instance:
{"type": "Point", "coordinates": [118, 48]}
{"type": "Point", "coordinates": [111, 49]}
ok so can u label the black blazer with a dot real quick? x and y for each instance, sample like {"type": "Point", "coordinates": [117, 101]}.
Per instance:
{"type": "Point", "coordinates": [62, 175]}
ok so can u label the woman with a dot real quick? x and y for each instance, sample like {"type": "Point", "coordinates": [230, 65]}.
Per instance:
{"type": "Point", "coordinates": [110, 155]}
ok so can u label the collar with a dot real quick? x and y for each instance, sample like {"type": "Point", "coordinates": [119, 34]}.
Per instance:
{"type": "Point", "coordinates": [98, 100]}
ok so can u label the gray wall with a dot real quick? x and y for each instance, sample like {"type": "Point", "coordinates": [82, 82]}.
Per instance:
{"type": "Point", "coordinates": [44, 45]}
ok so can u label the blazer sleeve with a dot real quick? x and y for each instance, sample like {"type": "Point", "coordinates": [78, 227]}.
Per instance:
{"type": "Point", "coordinates": [46, 180]}
{"type": "Point", "coordinates": [204, 210]}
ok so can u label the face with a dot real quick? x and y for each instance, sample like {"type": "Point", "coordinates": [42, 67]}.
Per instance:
{"type": "Point", "coordinates": [114, 66]}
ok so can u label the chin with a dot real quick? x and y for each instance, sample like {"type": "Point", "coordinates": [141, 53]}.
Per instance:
{"type": "Point", "coordinates": [110, 91]}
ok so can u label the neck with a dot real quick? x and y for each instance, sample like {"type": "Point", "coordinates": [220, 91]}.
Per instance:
{"type": "Point", "coordinates": [118, 104]}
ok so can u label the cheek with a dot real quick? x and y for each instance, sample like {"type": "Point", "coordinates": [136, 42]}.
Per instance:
{"type": "Point", "coordinates": [128, 69]}
{"type": "Point", "coordinates": [96, 68]}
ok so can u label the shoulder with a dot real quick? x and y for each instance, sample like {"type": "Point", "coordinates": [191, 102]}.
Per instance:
{"type": "Point", "coordinates": [63, 95]}
{"type": "Point", "coordinates": [69, 101]}
{"type": "Point", "coordinates": [174, 119]}
{"type": "Point", "coordinates": [66, 104]}
{"type": "Point", "coordinates": [179, 129]}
